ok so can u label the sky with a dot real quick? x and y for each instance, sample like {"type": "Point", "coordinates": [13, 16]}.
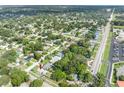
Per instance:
{"type": "Point", "coordinates": [61, 2]}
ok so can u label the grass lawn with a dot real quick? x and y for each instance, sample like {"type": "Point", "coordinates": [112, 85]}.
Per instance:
{"type": "Point", "coordinates": [118, 27]}
{"type": "Point", "coordinates": [107, 48]}
{"type": "Point", "coordinates": [45, 61]}
{"type": "Point", "coordinates": [34, 70]}
{"type": "Point", "coordinates": [29, 64]}
{"type": "Point", "coordinates": [103, 68]}
{"type": "Point", "coordinates": [118, 64]}
{"type": "Point", "coordinates": [118, 20]}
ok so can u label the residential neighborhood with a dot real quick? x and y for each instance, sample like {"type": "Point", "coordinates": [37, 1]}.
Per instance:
{"type": "Point", "coordinates": [50, 46]}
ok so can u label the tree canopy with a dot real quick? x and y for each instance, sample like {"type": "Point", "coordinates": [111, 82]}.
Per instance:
{"type": "Point", "coordinates": [99, 80]}
{"type": "Point", "coordinates": [121, 77]}
{"type": "Point", "coordinates": [36, 83]}
{"type": "Point", "coordinates": [18, 77]}
{"type": "Point", "coordinates": [58, 75]}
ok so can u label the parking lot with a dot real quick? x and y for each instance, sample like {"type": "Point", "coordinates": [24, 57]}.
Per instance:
{"type": "Point", "coordinates": [116, 51]}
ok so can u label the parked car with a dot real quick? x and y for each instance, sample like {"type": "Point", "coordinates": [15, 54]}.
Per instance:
{"type": "Point", "coordinates": [115, 59]}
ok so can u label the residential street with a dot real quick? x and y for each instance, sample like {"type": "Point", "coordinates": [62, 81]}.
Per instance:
{"type": "Point", "coordinates": [42, 58]}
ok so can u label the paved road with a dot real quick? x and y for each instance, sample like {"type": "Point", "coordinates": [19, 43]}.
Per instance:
{"type": "Point", "coordinates": [108, 77]}
{"type": "Point", "coordinates": [45, 79]}
{"type": "Point", "coordinates": [109, 69]}
{"type": "Point", "coordinates": [98, 58]}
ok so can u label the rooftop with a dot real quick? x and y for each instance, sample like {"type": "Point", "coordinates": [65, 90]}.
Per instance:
{"type": "Point", "coordinates": [120, 83]}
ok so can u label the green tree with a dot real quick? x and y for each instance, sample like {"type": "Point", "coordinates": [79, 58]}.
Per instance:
{"type": "Point", "coordinates": [38, 46]}
{"type": "Point", "coordinates": [16, 80]}
{"type": "Point", "coordinates": [36, 83]}
{"type": "Point", "coordinates": [25, 41]}
{"type": "Point", "coordinates": [70, 77]}
{"type": "Point", "coordinates": [99, 80]}
{"type": "Point", "coordinates": [27, 49]}
{"type": "Point", "coordinates": [3, 62]}
{"type": "Point", "coordinates": [4, 71]}
{"type": "Point", "coordinates": [121, 77]}
{"type": "Point", "coordinates": [37, 55]}
{"type": "Point", "coordinates": [10, 55]}
{"type": "Point", "coordinates": [87, 77]}
{"type": "Point", "coordinates": [84, 43]}
{"type": "Point", "coordinates": [81, 68]}
{"type": "Point", "coordinates": [74, 48]}
{"type": "Point", "coordinates": [58, 75]}
{"type": "Point", "coordinates": [18, 77]}
{"type": "Point", "coordinates": [63, 84]}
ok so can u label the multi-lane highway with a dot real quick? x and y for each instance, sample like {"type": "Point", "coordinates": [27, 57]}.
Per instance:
{"type": "Point", "coordinates": [98, 58]}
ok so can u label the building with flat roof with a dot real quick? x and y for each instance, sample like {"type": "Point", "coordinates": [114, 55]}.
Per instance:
{"type": "Point", "coordinates": [120, 37]}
